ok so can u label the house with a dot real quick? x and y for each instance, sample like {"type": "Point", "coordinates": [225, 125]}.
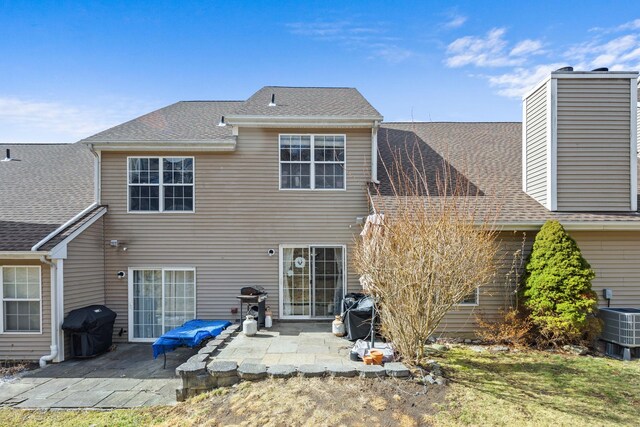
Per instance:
{"type": "Point", "coordinates": [205, 197]}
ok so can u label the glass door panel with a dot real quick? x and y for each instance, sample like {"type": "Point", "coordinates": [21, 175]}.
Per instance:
{"type": "Point", "coordinates": [312, 281]}
{"type": "Point", "coordinates": [147, 303]}
{"type": "Point", "coordinates": [296, 289]}
{"type": "Point", "coordinates": [327, 280]}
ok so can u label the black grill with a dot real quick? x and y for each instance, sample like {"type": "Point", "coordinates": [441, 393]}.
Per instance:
{"type": "Point", "coordinates": [91, 330]}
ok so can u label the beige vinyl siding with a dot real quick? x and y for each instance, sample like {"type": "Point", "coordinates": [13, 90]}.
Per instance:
{"type": "Point", "coordinates": [613, 255]}
{"type": "Point", "coordinates": [593, 140]}
{"type": "Point", "coordinates": [240, 215]}
{"type": "Point", "coordinates": [536, 144]}
{"type": "Point", "coordinates": [30, 346]}
{"type": "Point", "coordinates": [514, 250]}
{"type": "Point", "coordinates": [615, 258]}
{"type": "Point", "coordinates": [84, 271]}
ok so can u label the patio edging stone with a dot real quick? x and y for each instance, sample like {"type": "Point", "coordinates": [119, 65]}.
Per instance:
{"type": "Point", "coordinates": [202, 372]}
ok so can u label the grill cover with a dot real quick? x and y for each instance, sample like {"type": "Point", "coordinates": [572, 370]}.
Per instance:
{"type": "Point", "coordinates": [88, 318]}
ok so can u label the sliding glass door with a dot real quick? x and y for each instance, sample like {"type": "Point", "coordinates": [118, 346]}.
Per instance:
{"type": "Point", "coordinates": [312, 282]}
{"type": "Point", "coordinates": [160, 299]}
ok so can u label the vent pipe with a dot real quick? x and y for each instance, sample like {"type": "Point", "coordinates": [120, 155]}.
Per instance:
{"type": "Point", "coordinates": [273, 100]}
{"type": "Point", "coordinates": [8, 157]}
{"type": "Point", "coordinates": [222, 123]}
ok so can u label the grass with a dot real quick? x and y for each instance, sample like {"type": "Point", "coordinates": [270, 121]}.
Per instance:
{"type": "Point", "coordinates": [516, 388]}
{"type": "Point", "coordinates": [539, 388]}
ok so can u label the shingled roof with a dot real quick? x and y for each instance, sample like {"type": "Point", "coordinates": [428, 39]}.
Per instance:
{"type": "Point", "coordinates": [193, 121]}
{"type": "Point", "coordinates": [308, 102]}
{"type": "Point", "coordinates": [46, 186]}
{"type": "Point", "coordinates": [184, 121]}
{"type": "Point", "coordinates": [484, 158]}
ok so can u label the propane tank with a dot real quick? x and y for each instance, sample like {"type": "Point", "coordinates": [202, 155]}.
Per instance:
{"type": "Point", "coordinates": [268, 319]}
{"type": "Point", "coordinates": [337, 327]}
{"type": "Point", "coordinates": [250, 326]}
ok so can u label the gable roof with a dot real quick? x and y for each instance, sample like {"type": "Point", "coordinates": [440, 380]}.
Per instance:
{"type": "Point", "coordinates": [197, 121]}
{"type": "Point", "coordinates": [484, 158]}
{"type": "Point", "coordinates": [183, 121]}
{"type": "Point", "coordinates": [49, 185]}
{"type": "Point", "coordinates": [343, 102]}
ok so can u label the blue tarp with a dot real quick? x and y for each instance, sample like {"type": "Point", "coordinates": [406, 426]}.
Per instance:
{"type": "Point", "coordinates": [190, 334]}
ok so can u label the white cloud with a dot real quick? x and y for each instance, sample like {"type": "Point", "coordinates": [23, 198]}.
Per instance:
{"type": "Point", "coordinates": [64, 121]}
{"type": "Point", "coordinates": [373, 40]}
{"type": "Point", "coordinates": [617, 48]}
{"type": "Point", "coordinates": [489, 50]}
{"type": "Point", "coordinates": [456, 21]}
{"type": "Point", "coordinates": [527, 47]}
{"type": "Point", "coordinates": [516, 83]}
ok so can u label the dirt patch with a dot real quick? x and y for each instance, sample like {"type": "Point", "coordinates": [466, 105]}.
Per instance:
{"type": "Point", "coordinates": [318, 402]}
{"type": "Point", "coordinates": [10, 368]}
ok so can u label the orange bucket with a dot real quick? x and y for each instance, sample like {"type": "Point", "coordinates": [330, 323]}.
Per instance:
{"type": "Point", "coordinates": [368, 360]}
{"type": "Point", "coordinates": [376, 355]}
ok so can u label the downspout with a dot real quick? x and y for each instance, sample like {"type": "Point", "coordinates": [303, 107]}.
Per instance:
{"type": "Point", "coordinates": [374, 152]}
{"type": "Point", "coordinates": [54, 313]}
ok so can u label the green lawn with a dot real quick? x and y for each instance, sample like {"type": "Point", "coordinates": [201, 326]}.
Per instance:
{"type": "Point", "coordinates": [516, 388]}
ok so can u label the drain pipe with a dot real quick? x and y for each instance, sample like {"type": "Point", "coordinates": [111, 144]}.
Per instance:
{"type": "Point", "coordinates": [54, 314]}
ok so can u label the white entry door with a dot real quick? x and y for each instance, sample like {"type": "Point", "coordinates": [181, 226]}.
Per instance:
{"type": "Point", "coordinates": [312, 281]}
{"type": "Point", "coordinates": [160, 299]}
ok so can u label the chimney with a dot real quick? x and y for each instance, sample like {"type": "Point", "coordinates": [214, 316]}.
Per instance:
{"type": "Point", "coordinates": [579, 141]}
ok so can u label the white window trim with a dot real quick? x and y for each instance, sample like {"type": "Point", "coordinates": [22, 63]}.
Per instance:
{"type": "Point", "coordinates": [469, 304]}
{"type": "Point", "coordinates": [2, 300]}
{"type": "Point", "coordinates": [345, 275]}
{"type": "Point", "coordinates": [161, 185]}
{"type": "Point", "coordinates": [130, 296]}
{"type": "Point", "coordinates": [312, 162]}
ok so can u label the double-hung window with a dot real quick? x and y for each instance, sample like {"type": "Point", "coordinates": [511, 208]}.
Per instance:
{"type": "Point", "coordinates": [21, 299]}
{"type": "Point", "coordinates": [312, 162]}
{"type": "Point", "coordinates": [471, 299]}
{"type": "Point", "coordinates": [161, 184]}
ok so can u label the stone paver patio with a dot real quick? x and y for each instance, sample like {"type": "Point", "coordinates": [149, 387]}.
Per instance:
{"type": "Point", "coordinates": [126, 377]}
{"type": "Point", "coordinates": [295, 344]}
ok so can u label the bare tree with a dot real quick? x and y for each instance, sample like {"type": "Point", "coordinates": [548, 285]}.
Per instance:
{"type": "Point", "coordinates": [425, 250]}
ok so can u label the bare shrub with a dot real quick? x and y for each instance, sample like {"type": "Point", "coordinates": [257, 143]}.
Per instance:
{"type": "Point", "coordinates": [510, 327]}
{"type": "Point", "coordinates": [429, 251]}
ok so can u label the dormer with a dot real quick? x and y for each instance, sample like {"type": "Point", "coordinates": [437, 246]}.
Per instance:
{"type": "Point", "coordinates": [579, 141]}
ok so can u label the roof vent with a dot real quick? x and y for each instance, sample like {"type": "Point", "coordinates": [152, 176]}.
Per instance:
{"type": "Point", "coordinates": [8, 157]}
{"type": "Point", "coordinates": [565, 69]}
{"type": "Point", "coordinates": [222, 123]}
{"type": "Point", "coordinates": [601, 69]}
{"type": "Point", "coordinates": [273, 100]}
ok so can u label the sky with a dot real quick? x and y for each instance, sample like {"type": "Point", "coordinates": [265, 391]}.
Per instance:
{"type": "Point", "coordinates": [71, 69]}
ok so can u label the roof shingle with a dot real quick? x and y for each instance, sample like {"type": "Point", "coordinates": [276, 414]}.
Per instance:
{"type": "Point", "coordinates": [50, 184]}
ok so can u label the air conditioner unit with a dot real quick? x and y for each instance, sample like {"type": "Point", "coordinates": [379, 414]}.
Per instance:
{"type": "Point", "coordinates": [622, 328]}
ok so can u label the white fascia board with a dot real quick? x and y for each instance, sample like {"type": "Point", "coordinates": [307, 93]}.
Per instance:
{"type": "Point", "coordinates": [174, 146]}
{"type": "Point", "coordinates": [318, 121]}
{"type": "Point", "coordinates": [633, 147]}
{"type": "Point", "coordinates": [524, 145]}
{"type": "Point", "coordinates": [594, 75]}
{"type": "Point", "coordinates": [536, 87]}
{"type": "Point", "coordinates": [22, 254]}
{"type": "Point", "coordinates": [571, 225]}
{"type": "Point", "coordinates": [59, 251]}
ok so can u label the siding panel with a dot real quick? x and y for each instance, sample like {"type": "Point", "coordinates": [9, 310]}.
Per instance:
{"type": "Point", "coordinates": [84, 271]}
{"type": "Point", "coordinates": [536, 146]}
{"type": "Point", "coordinates": [593, 145]}
{"type": "Point", "coordinates": [240, 215]}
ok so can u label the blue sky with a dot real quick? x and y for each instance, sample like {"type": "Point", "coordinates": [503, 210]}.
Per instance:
{"type": "Point", "coordinates": [70, 69]}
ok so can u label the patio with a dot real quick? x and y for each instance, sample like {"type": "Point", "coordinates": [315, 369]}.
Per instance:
{"type": "Point", "coordinates": [288, 343]}
{"type": "Point", "coordinates": [124, 378]}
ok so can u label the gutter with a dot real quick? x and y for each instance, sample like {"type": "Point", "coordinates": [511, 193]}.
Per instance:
{"type": "Point", "coordinates": [63, 226]}
{"type": "Point", "coordinates": [54, 314]}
